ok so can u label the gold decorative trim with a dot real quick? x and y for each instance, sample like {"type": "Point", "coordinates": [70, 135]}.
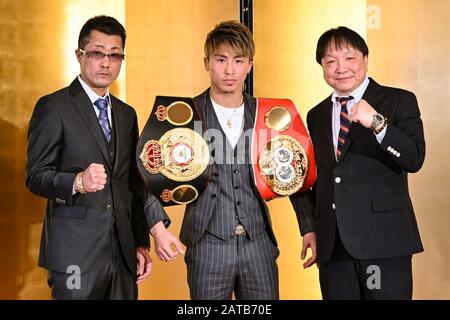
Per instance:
{"type": "Point", "coordinates": [181, 155]}
{"type": "Point", "coordinates": [283, 164]}
{"type": "Point", "coordinates": [278, 118]}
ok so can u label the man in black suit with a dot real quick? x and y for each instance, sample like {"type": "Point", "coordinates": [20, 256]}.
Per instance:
{"type": "Point", "coordinates": [81, 157]}
{"type": "Point", "coordinates": [366, 138]}
{"type": "Point", "coordinates": [231, 247]}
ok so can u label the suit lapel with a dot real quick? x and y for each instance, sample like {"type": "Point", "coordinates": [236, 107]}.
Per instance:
{"type": "Point", "coordinates": [371, 93]}
{"type": "Point", "coordinates": [327, 119]}
{"type": "Point", "coordinates": [87, 113]}
{"type": "Point", "coordinates": [201, 107]}
{"type": "Point", "coordinates": [249, 124]}
{"type": "Point", "coordinates": [251, 112]}
{"type": "Point", "coordinates": [119, 124]}
{"type": "Point", "coordinates": [353, 132]}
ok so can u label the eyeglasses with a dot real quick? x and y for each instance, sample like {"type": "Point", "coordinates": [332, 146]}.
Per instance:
{"type": "Point", "coordinates": [98, 55]}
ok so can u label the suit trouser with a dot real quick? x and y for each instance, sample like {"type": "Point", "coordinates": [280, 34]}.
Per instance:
{"type": "Point", "coordinates": [376, 279]}
{"type": "Point", "coordinates": [345, 277]}
{"type": "Point", "coordinates": [108, 279]}
{"type": "Point", "coordinates": [217, 268]}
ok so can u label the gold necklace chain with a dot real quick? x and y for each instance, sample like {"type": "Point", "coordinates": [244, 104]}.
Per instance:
{"type": "Point", "coordinates": [229, 123]}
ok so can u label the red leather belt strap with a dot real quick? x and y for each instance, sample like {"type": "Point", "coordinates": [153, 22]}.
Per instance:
{"type": "Point", "coordinates": [282, 151]}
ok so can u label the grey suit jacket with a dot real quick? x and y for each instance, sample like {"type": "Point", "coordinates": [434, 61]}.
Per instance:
{"type": "Point", "coordinates": [64, 138]}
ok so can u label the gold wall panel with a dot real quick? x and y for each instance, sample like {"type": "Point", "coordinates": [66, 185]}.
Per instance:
{"type": "Point", "coordinates": [410, 50]}
{"type": "Point", "coordinates": [38, 40]}
{"type": "Point", "coordinates": [286, 34]}
{"type": "Point", "coordinates": [30, 66]}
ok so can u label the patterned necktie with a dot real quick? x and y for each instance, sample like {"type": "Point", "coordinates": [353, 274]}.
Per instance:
{"type": "Point", "coordinates": [102, 106]}
{"type": "Point", "coordinates": [345, 124]}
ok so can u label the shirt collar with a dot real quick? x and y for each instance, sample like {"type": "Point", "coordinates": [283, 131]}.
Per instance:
{"type": "Point", "coordinates": [356, 94]}
{"type": "Point", "coordinates": [93, 96]}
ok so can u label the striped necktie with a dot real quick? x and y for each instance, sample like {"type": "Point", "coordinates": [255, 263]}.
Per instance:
{"type": "Point", "coordinates": [344, 124]}
{"type": "Point", "coordinates": [102, 106]}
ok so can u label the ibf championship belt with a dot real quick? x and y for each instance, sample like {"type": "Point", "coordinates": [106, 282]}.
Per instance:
{"type": "Point", "coordinates": [172, 157]}
{"type": "Point", "coordinates": [282, 152]}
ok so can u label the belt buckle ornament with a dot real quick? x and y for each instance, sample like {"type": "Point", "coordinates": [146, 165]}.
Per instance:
{"type": "Point", "coordinates": [181, 155]}
{"type": "Point", "coordinates": [178, 113]}
{"type": "Point", "coordinates": [173, 158]}
{"type": "Point", "coordinates": [282, 153]}
{"type": "Point", "coordinates": [283, 164]}
{"type": "Point", "coordinates": [183, 194]}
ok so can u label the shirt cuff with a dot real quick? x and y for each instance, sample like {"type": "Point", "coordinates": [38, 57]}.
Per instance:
{"type": "Point", "coordinates": [381, 135]}
{"type": "Point", "coordinates": [73, 187]}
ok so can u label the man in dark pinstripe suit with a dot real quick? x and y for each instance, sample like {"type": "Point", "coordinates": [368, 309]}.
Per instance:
{"type": "Point", "coordinates": [366, 137]}
{"type": "Point", "coordinates": [231, 247]}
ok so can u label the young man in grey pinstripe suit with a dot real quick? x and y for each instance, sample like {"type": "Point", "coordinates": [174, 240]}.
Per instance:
{"type": "Point", "coordinates": [231, 247]}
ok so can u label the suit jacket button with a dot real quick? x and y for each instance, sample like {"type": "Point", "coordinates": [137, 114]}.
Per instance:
{"type": "Point", "coordinates": [338, 180]}
{"type": "Point", "coordinates": [108, 207]}
{"type": "Point", "coordinates": [333, 206]}
{"type": "Point", "coordinates": [214, 196]}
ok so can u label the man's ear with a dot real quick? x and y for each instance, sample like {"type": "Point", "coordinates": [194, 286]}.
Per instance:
{"type": "Point", "coordinates": [250, 67]}
{"type": "Point", "coordinates": [206, 63]}
{"type": "Point", "coordinates": [78, 54]}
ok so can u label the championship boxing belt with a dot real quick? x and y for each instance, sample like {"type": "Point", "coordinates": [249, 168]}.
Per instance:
{"type": "Point", "coordinates": [282, 152]}
{"type": "Point", "coordinates": [173, 158]}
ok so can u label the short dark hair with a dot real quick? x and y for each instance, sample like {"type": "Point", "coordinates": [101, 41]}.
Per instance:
{"type": "Point", "coordinates": [104, 24]}
{"type": "Point", "coordinates": [233, 33]}
{"type": "Point", "coordinates": [341, 36]}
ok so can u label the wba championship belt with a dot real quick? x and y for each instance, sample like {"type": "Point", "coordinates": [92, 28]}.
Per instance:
{"type": "Point", "coordinates": [172, 157]}
{"type": "Point", "coordinates": [282, 152]}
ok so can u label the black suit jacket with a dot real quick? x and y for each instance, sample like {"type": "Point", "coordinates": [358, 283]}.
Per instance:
{"type": "Point", "coordinates": [366, 192]}
{"type": "Point", "coordinates": [64, 138]}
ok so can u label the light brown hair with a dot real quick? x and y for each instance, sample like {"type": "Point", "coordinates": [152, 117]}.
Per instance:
{"type": "Point", "coordinates": [234, 34]}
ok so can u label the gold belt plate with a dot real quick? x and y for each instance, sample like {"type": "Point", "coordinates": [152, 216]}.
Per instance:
{"type": "Point", "coordinates": [181, 155]}
{"type": "Point", "coordinates": [283, 164]}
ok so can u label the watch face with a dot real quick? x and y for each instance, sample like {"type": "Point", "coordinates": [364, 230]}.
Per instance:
{"type": "Point", "coordinates": [379, 117]}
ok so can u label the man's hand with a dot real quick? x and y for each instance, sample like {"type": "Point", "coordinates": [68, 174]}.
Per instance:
{"type": "Point", "coordinates": [164, 242]}
{"type": "Point", "coordinates": [94, 177]}
{"type": "Point", "coordinates": [309, 241]}
{"type": "Point", "coordinates": [144, 265]}
{"type": "Point", "coordinates": [363, 113]}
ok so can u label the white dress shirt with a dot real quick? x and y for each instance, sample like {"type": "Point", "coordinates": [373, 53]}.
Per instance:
{"type": "Point", "coordinates": [235, 116]}
{"type": "Point", "coordinates": [94, 96]}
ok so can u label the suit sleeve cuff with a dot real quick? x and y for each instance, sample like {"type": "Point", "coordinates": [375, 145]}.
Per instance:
{"type": "Point", "coordinates": [63, 188]}
{"type": "Point", "coordinates": [154, 212]}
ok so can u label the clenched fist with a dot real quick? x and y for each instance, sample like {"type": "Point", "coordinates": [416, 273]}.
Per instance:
{"type": "Point", "coordinates": [363, 112]}
{"type": "Point", "coordinates": [94, 177]}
